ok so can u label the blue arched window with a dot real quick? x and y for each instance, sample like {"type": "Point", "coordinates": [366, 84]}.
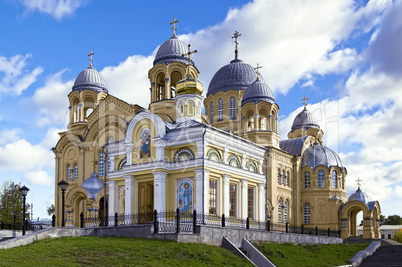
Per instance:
{"type": "Point", "coordinates": [101, 163]}
{"type": "Point", "coordinates": [232, 108]}
{"type": "Point", "coordinates": [285, 212]}
{"type": "Point", "coordinates": [287, 179]}
{"type": "Point", "coordinates": [212, 112]}
{"type": "Point", "coordinates": [280, 210]}
{"type": "Point", "coordinates": [76, 172]}
{"type": "Point", "coordinates": [306, 213]}
{"type": "Point", "coordinates": [321, 178]}
{"type": "Point", "coordinates": [283, 178]}
{"type": "Point", "coordinates": [307, 182]}
{"type": "Point", "coordinates": [334, 179]}
{"type": "Point", "coordinates": [220, 109]}
{"type": "Point", "coordinates": [69, 173]}
{"type": "Point", "coordinates": [279, 176]}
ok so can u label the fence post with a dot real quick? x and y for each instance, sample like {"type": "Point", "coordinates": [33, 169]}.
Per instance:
{"type": "Point", "coordinates": [247, 223]}
{"type": "Point", "coordinates": [194, 221]}
{"type": "Point", "coordinates": [116, 219]}
{"type": "Point", "coordinates": [287, 227]}
{"type": "Point", "coordinates": [316, 230]}
{"type": "Point", "coordinates": [223, 220]}
{"type": "Point", "coordinates": [268, 225]}
{"type": "Point", "coordinates": [156, 221]}
{"type": "Point", "coordinates": [53, 220]}
{"type": "Point", "coordinates": [177, 220]}
{"type": "Point", "coordinates": [2, 225]}
{"type": "Point", "coordinates": [82, 220]}
{"type": "Point", "coordinates": [339, 232]}
{"type": "Point", "coordinates": [302, 229]}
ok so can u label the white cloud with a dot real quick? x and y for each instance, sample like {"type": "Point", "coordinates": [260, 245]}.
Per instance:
{"type": "Point", "coordinates": [14, 77]}
{"type": "Point", "coordinates": [39, 178]}
{"type": "Point", "coordinates": [55, 8]}
{"type": "Point", "coordinates": [8, 136]}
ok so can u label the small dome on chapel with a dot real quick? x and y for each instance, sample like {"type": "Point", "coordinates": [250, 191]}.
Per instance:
{"type": "Point", "coordinates": [90, 79]}
{"type": "Point", "coordinates": [172, 51]}
{"type": "Point", "coordinates": [258, 91]}
{"type": "Point", "coordinates": [305, 120]}
{"type": "Point", "coordinates": [359, 195]}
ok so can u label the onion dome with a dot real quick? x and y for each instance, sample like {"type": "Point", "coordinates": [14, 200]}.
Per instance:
{"type": "Point", "coordinates": [172, 51]}
{"type": "Point", "coordinates": [359, 195]}
{"type": "Point", "coordinates": [93, 185]}
{"type": "Point", "coordinates": [90, 79]}
{"type": "Point", "coordinates": [305, 120]}
{"type": "Point", "coordinates": [237, 75]}
{"type": "Point", "coordinates": [317, 155]}
{"type": "Point", "coordinates": [189, 85]}
{"type": "Point", "coordinates": [258, 91]}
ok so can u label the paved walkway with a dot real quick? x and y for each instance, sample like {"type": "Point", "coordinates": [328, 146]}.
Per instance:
{"type": "Point", "coordinates": [389, 254]}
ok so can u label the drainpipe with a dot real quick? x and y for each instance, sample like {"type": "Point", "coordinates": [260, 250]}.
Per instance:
{"type": "Point", "coordinates": [58, 178]}
{"type": "Point", "coordinates": [295, 191]}
{"type": "Point", "coordinates": [266, 184]}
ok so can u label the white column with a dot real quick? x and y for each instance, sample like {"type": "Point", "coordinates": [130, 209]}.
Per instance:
{"type": "Point", "coordinates": [225, 190]}
{"type": "Point", "coordinates": [225, 156]}
{"type": "Point", "coordinates": [243, 161]}
{"type": "Point", "coordinates": [202, 194]}
{"type": "Point", "coordinates": [201, 149]}
{"type": "Point", "coordinates": [129, 193]}
{"type": "Point", "coordinates": [112, 161]}
{"type": "Point", "coordinates": [129, 153]}
{"type": "Point", "coordinates": [160, 145]}
{"type": "Point", "coordinates": [260, 163]}
{"type": "Point", "coordinates": [112, 200]}
{"type": "Point", "coordinates": [244, 198]}
{"type": "Point", "coordinates": [159, 190]}
{"type": "Point", "coordinates": [261, 202]}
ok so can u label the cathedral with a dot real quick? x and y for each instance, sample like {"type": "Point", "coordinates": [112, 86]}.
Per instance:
{"type": "Point", "coordinates": [123, 158]}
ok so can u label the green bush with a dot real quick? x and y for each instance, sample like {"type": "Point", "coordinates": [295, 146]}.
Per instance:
{"type": "Point", "coordinates": [398, 236]}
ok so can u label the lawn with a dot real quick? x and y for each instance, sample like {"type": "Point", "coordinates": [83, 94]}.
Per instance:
{"type": "Point", "coordinates": [284, 255]}
{"type": "Point", "coordinates": [114, 251]}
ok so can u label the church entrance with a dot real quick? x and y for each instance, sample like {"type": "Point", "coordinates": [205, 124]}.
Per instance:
{"type": "Point", "coordinates": [145, 201]}
{"type": "Point", "coordinates": [102, 210]}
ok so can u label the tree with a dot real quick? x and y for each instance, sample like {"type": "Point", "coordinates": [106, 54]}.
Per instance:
{"type": "Point", "coordinates": [11, 204]}
{"type": "Point", "coordinates": [393, 220]}
{"type": "Point", "coordinates": [50, 210]}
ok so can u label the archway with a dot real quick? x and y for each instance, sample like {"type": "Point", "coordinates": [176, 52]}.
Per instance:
{"type": "Point", "coordinates": [78, 208]}
{"type": "Point", "coordinates": [103, 210]}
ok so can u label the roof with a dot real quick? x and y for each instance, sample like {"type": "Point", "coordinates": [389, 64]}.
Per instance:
{"type": "Point", "coordinates": [293, 146]}
{"type": "Point", "coordinates": [305, 120]}
{"type": "Point", "coordinates": [93, 185]}
{"type": "Point", "coordinates": [237, 76]}
{"type": "Point", "coordinates": [171, 51]}
{"type": "Point", "coordinates": [317, 155]}
{"type": "Point", "coordinates": [258, 91]}
{"type": "Point", "coordinates": [359, 195]}
{"type": "Point", "coordinates": [90, 79]}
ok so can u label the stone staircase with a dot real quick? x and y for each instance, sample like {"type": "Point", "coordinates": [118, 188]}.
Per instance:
{"type": "Point", "coordinates": [388, 255]}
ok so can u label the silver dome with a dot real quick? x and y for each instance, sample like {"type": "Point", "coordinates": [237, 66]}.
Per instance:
{"type": "Point", "coordinates": [93, 185]}
{"type": "Point", "coordinates": [258, 91]}
{"type": "Point", "coordinates": [90, 79]}
{"type": "Point", "coordinates": [237, 75]}
{"type": "Point", "coordinates": [359, 195]}
{"type": "Point", "coordinates": [317, 155]}
{"type": "Point", "coordinates": [171, 51]}
{"type": "Point", "coordinates": [305, 120]}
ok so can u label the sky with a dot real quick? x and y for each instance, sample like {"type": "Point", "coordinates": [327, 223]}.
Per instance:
{"type": "Point", "coordinates": [344, 55]}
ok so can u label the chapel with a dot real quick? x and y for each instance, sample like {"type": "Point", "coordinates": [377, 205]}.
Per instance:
{"type": "Point", "coordinates": [229, 160]}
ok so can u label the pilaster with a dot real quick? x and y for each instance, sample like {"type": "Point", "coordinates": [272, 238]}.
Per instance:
{"type": "Point", "coordinates": [112, 199]}
{"type": "Point", "coordinates": [129, 193]}
{"type": "Point", "coordinates": [244, 198]}
{"type": "Point", "coordinates": [225, 189]}
{"type": "Point", "coordinates": [261, 202]}
{"type": "Point", "coordinates": [159, 190]}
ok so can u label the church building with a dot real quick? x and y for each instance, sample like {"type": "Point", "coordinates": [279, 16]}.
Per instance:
{"type": "Point", "coordinates": [230, 160]}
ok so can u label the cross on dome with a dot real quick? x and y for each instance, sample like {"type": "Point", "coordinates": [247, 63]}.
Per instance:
{"type": "Point", "coordinates": [235, 36]}
{"type": "Point", "coordinates": [304, 102]}
{"type": "Point", "coordinates": [359, 182]}
{"type": "Point", "coordinates": [90, 58]}
{"type": "Point", "coordinates": [257, 70]}
{"type": "Point", "coordinates": [174, 25]}
{"type": "Point", "coordinates": [188, 57]}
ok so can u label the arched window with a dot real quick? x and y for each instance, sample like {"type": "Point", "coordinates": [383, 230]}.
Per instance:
{"type": "Point", "coordinates": [220, 109]}
{"type": "Point", "coordinates": [69, 173]}
{"type": "Point", "coordinates": [279, 176]}
{"type": "Point", "coordinates": [287, 179]}
{"type": "Point", "coordinates": [306, 217]}
{"type": "Point", "coordinates": [321, 178]}
{"type": "Point", "coordinates": [307, 182]}
{"type": "Point", "coordinates": [334, 179]}
{"type": "Point", "coordinates": [190, 108]}
{"type": "Point", "coordinates": [212, 112]}
{"type": "Point", "coordinates": [280, 210]}
{"type": "Point", "coordinates": [232, 108]}
{"type": "Point", "coordinates": [76, 172]}
{"type": "Point", "coordinates": [283, 178]}
{"type": "Point", "coordinates": [285, 212]}
{"type": "Point", "coordinates": [101, 163]}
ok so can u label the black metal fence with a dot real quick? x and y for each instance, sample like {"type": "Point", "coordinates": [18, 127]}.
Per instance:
{"type": "Point", "coordinates": [186, 222]}
{"type": "Point", "coordinates": [31, 225]}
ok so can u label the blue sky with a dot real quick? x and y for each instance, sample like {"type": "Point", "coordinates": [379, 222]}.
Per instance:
{"type": "Point", "coordinates": [345, 56]}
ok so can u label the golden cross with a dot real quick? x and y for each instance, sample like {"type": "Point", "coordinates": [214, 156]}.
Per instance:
{"type": "Point", "coordinates": [90, 58]}
{"type": "Point", "coordinates": [257, 70]}
{"type": "Point", "coordinates": [174, 25]}
{"type": "Point", "coordinates": [235, 36]}
{"type": "Point", "coordinates": [304, 102]}
{"type": "Point", "coordinates": [188, 54]}
{"type": "Point", "coordinates": [359, 182]}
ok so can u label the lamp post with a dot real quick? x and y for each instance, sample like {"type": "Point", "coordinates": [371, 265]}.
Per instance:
{"type": "Point", "coordinates": [24, 191]}
{"type": "Point", "coordinates": [63, 186]}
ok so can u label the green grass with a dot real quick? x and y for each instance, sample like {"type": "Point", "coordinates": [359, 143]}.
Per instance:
{"type": "Point", "coordinates": [114, 251]}
{"type": "Point", "coordinates": [287, 254]}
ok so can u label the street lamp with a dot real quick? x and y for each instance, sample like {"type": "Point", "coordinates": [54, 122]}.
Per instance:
{"type": "Point", "coordinates": [63, 186]}
{"type": "Point", "coordinates": [24, 191]}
